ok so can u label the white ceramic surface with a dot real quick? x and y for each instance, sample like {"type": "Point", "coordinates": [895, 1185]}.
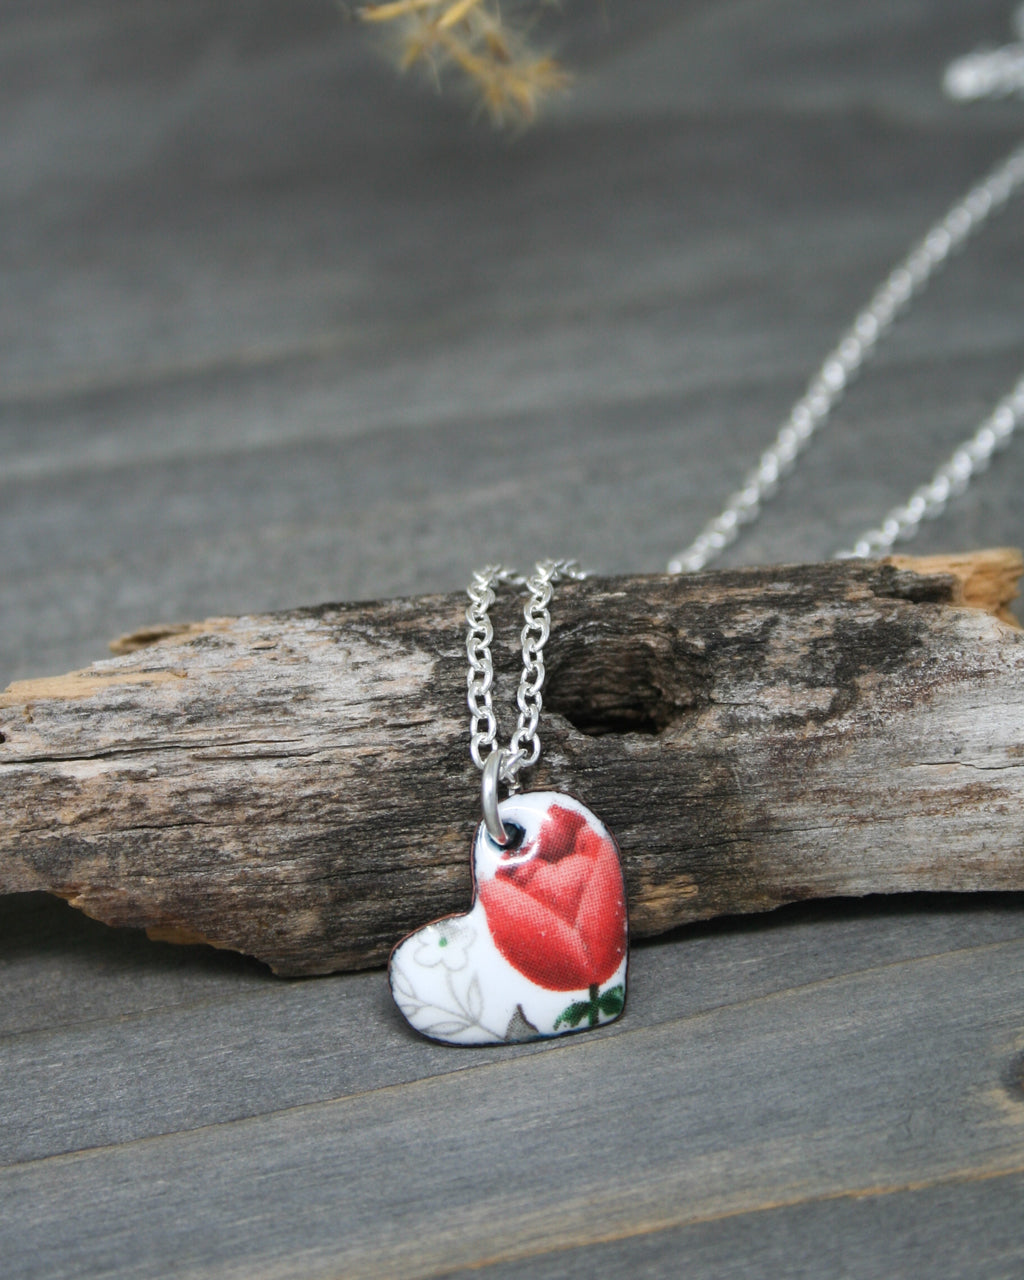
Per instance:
{"type": "Point", "coordinates": [543, 949]}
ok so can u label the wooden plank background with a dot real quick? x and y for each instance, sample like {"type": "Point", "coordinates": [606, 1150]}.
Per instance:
{"type": "Point", "coordinates": [277, 327]}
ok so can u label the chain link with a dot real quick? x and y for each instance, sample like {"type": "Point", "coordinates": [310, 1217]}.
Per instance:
{"type": "Point", "coordinates": [524, 748]}
{"type": "Point", "coordinates": [990, 73]}
{"type": "Point", "coordinates": [952, 478]}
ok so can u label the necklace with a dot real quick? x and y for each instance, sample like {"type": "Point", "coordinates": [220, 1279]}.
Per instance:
{"type": "Point", "coordinates": [543, 949]}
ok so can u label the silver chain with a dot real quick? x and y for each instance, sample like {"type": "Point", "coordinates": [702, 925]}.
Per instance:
{"type": "Point", "coordinates": [995, 73]}
{"type": "Point", "coordinates": [989, 73]}
{"type": "Point", "coordinates": [524, 747]}
{"type": "Point", "coordinates": [952, 478]}
{"type": "Point", "coordinates": [979, 75]}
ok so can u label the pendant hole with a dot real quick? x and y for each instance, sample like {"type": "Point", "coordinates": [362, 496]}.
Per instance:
{"type": "Point", "coordinates": [516, 836]}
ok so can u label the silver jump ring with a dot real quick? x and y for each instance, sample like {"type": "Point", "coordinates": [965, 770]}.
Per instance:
{"type": "Point", "coordinates": [489, 795]}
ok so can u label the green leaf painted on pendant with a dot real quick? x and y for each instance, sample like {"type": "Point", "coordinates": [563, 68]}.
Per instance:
{"type": "Point", "coordinates": [574, 1015]}
{"type": "Point", "coordinates": [612, 1002]}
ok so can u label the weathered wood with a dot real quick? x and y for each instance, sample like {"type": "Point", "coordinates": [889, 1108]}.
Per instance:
{"type": "Point", "coordinates": [809, 1080]}
{"type": "Point", "coordinates": [296, 786]}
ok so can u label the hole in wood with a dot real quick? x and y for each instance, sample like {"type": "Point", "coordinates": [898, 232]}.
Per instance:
{"type": "Point", "coordinates": [604, 684]}
{"type": "Point", "coordinates": [608, 713]}
{"type": "Point", "coordinates": [1015, 1078]}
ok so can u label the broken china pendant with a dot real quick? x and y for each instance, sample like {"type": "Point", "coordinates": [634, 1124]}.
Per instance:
{"type": "Point", "coordinates": [543, 949]}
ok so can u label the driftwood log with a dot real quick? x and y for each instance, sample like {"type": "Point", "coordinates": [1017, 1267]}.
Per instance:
{"type": "Point", "coordinates": [297, 786]}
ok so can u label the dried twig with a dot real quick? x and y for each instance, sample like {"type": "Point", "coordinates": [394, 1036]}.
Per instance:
{"type": "Point", "coordinates": [482, 45]}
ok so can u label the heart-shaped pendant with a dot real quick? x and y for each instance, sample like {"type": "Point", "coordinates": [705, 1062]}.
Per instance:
{"type": "Point", "coordinates": [543, 949]}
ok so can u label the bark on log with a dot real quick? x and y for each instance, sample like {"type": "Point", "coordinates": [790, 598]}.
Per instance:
{"type": "Point", "coordinates": [297, 786]}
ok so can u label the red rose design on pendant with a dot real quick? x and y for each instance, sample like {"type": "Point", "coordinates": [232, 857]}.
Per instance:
{"type": "Point", "coordinates": [542, 950]}
{"type": "Point", "coordinates": [556, 906]}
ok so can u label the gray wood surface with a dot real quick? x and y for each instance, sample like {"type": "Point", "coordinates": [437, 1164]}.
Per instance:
{"type": "Point", "coordinates": [277, 328]}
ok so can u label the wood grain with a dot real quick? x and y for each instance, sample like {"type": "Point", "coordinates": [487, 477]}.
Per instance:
{"type": "Point", "coordinates": [280, 326]}
{"type": "Point", "coordinates": [295, 786]}
{"type": "Point", "coordinates": [769, 1097]}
